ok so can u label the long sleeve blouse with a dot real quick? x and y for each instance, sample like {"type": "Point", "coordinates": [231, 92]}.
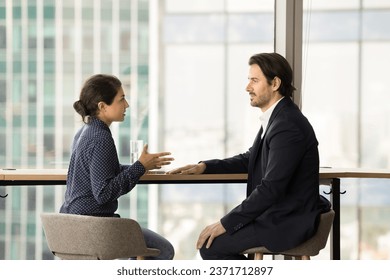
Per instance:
{"type": "Point", "coordinates": [95, 178]}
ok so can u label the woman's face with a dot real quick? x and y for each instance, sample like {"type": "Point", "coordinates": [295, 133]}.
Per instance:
{"type": "Point", "coordinates": [116, 111]}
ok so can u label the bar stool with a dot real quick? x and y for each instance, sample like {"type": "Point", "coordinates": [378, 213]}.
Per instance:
{"type": "Point", "coordinates": [79, 237]}
{"type": "Point", "coordinates": [309, 248]}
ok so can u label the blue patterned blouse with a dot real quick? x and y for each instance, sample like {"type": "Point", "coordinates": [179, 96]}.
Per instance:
{"type": "Point", "coordinates": [95, 178]}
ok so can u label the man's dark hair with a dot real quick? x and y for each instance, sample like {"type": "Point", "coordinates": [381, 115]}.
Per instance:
{"type": "Point", "coordinates": [274, 65]}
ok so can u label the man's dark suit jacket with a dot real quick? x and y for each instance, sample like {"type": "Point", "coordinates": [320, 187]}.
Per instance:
{"type": "Point", "coordinates": [283, 202]}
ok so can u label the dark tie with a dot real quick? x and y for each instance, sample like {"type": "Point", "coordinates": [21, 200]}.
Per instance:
{"type": "Point", "coordinates": [258, 137]}
{"type": "Point", "coordinates": [254, 151]}
{"type": "Point", "coordinates": [261, 131]}
{"type": "Point", "coordinates": [256, 145]}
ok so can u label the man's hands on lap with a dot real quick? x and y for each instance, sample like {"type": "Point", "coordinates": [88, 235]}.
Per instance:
{"type": "Point", "coordinates": [210, 232]}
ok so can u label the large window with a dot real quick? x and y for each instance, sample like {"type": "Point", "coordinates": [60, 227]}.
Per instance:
{"type": "Point", "coordinates": [345, 96]}
{"type": "Point", "coordinates": [183, 64]}
{"type": "Point", "coordinates": [206, 112]}
{"type": "Point", "coordinates": [47, 49]}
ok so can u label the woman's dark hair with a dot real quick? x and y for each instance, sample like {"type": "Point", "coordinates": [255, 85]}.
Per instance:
{"type": "Point", "coordinates": [274, 65]}
{"type": "Point", "coordinates": [98, 88]}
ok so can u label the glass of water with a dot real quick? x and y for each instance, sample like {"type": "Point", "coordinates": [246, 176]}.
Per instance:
{"type": "Point", "coordinates": [136, 147]}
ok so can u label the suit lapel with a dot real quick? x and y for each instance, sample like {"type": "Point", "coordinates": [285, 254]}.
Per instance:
{"type": "Point", "coordinates": [256, 148]}
{"type": "Point", "coordinates": [283, 103]}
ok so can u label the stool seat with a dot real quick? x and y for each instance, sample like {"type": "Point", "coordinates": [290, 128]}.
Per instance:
{"type": "Point", "coordinates": [309, 248]}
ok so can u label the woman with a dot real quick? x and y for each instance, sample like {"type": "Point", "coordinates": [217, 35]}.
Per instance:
{"type": "Point", "coordinates": [96, 179]}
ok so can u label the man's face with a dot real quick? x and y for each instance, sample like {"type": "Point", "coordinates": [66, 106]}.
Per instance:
{"type": "Point", "coordinates": [261, 93]}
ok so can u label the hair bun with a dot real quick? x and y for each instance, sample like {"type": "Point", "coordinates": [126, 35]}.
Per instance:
{"type": "Point", "coordinates": [80, 108]}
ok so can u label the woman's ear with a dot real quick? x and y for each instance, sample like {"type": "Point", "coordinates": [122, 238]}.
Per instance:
{"type": "Point", "coordinates": [101, 105]}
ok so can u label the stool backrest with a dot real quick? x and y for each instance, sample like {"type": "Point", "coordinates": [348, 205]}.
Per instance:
{"type": "Point", "coordinates": [78, 237]}
{"type": "Point", "coordinates": [318, 242]}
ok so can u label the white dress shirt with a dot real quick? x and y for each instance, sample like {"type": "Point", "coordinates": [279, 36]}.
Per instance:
{"type": "Point", "coordinates": [264, 118]}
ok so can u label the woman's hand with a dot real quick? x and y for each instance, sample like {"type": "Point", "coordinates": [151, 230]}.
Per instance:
{"type": "Point", "coordinates": [154, 161]}
{"type": "Point", "coordinates": [189, 169]}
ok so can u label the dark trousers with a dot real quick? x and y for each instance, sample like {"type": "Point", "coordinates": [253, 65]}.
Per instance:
{"type": "Point", "coordinates": [230, 246]}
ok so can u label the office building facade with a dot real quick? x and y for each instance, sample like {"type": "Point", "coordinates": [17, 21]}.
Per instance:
{"type": "Point", "coordinates": [47, 49]}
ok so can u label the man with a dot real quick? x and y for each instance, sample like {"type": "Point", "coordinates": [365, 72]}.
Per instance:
{"type": "Point", "coordinates": [283, 204]}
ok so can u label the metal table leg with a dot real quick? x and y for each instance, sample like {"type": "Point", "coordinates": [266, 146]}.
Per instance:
{"type": "Point", "coordinates": [335, 235]}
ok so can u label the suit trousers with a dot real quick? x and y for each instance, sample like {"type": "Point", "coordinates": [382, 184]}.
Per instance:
{"type": "Point", "coordinates": [229, 246]}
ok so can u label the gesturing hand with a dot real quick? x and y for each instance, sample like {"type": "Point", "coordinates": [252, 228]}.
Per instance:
{"type": "Point", "coordinates": [211, 232]}
{"type": "Point", "coordinates": [154, 161]}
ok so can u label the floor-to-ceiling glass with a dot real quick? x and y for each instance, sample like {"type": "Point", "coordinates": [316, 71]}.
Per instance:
{"type": "Point", "coordinates": [47, 49]}
{"type": "Point", "coordinates": [345, 95]}
{"type": "Point", "coordinates": [205, 47]}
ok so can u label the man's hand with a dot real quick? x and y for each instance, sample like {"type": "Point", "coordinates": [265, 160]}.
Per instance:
{"type": "Point", "coordinates": [210, 232]}
{"type": "Point", "coordinates": [189, 169]}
